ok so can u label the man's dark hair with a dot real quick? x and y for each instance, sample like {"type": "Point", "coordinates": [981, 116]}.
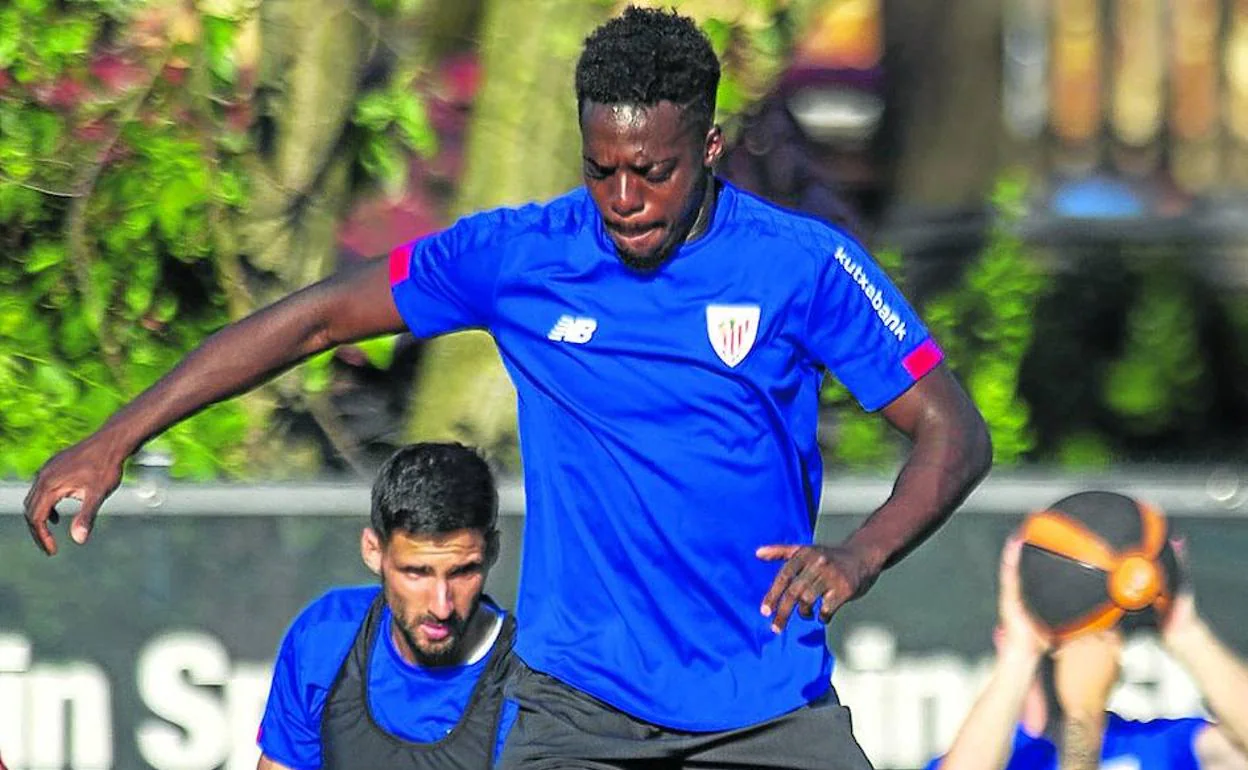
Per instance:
{"type": "Point", "coordinates": [645, 56]}
{"type": "Point", "coordinates": [434, 488]}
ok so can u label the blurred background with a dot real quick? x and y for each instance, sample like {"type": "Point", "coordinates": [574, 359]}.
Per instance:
{"type": "Point", "coordinates": [1060, 186]}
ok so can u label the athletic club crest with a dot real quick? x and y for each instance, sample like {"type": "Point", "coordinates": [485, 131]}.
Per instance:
{"type": "Point", "coordinates": [732, 329]}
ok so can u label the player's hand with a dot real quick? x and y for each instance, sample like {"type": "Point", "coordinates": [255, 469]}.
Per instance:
{"type": "Point", "coordinates": [1182, 623]}
{"type": "Point", "coordinates": [1085, 669]}
{"type": "Point", "coordinates": [89, 472]}
{"type": "Point", "coordinates": [812, 572]}
{"type": "Point", "coordinates": [1018, 631]}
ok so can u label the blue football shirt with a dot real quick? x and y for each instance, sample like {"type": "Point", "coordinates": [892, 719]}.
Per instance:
{"type": "Point", "coordinates": [667, 428]}
{"type": "Point", "coordinates": [415, 703]}
{"type": "Point", "coordinates": [1158, 744]}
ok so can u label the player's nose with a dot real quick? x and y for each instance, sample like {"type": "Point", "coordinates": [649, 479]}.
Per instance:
{"type": "Point", "coordinates": [442, 605]}
{"type": "Point", "coordinates": [625, 196]}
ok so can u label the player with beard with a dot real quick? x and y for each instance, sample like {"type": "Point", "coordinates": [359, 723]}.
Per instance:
{"type": "Point", "coordinates": [408, 675]}
{"type": "Point", "coordinates": [667, 335]}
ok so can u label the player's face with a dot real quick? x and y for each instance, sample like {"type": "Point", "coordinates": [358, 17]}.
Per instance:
{"type": "Point", "coordinates": [647, 169]}
{"type": "Point", "coordinates": [433, 586]}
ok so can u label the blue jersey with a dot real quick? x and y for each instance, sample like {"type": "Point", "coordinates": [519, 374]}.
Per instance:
{"type": "Point", "coordinates": [667, 428]}
{"type": "Point", "coordinates": [1159, 744]}
{"type": "Point", "coordinates": [411, 702]}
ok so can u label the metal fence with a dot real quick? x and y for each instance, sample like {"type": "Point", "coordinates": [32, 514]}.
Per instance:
{"type": "Point", "coordinates": [152, 646]}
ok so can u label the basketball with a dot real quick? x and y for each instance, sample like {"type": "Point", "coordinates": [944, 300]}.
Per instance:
{"type": "Point", "coordinates": [1094, 561]}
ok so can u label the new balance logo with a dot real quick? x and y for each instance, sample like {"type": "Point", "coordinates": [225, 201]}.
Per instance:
{"type": "Point", "coordinates": [573, 329]}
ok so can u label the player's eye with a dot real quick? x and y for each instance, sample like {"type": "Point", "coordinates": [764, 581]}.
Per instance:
{"type": "Point", "coordinates": [594, 171]}
{"type": "Point", "coordinates": [659, 176]}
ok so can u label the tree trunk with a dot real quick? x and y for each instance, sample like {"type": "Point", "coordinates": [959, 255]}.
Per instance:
{"type": "Point", "coordinates": [313, 55]}
{"type": "Point", "coordinates": [942, 61]}
{"type": "Point", "coordinates": [521, 146]}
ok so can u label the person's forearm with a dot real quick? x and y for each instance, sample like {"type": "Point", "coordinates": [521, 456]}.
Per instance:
{"type": "Point", "coordinates": [229, 362]}
{"type": "Point", "coordinates": [1082, 737]}
{"type": "Point", "coordinates": [1221, 677]}
{"type": "Point", "coordinates": [945, 464]}
{"type": "Point", "coordinates": [253, 350]}
{"type": "Point", "coordinates": [986, 738]}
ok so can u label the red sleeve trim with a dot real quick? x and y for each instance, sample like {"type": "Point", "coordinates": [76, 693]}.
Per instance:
{"type": "Point", "coordinates": [400, 264]}
{"type": "Point", "coordinates": [923, 359]}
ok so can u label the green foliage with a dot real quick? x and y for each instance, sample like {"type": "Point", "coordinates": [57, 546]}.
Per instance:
{"type": "Point", "coordinates": [107, 258]}
{"type": "Point", "coordinates": [1158, 381]}
{"type": "Point", "coordinates": [116, 209]}
{"type": "Point", "coordinates": [753, 39]}
{"type": "Point", "coordinates": [393, 122]}
{"type": "Point", "coordinates": [1085, 451]}
{"type": "Point", "coordinates": [986, 325]}
{"type": "Point", "coordinates": [397, 7]}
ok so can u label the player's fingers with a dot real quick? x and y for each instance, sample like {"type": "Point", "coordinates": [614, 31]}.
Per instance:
{"type": "Point", "coordinates": [793, 592]}
{"type": "Point", "coordinates": [810, 585]}
{"type": "Point", "coordinates": [84, 522]}
{"type": "Point", "coordinates": [832, 601]}
{"type": "Point", "coordinates": [779, 585]}
{"type": "Point", "coordinates": [807, 601]}
{"type": "Point", "coordinates": [38, 505]}
{"type": "Point", "coordinates": [1179, 546]}
{"type": "Point", "coordinates": [1007, 577]}
{"type": "Point", "coordinates": [785, 608]}
{"type": "Point", "coordinates": [776, 552]}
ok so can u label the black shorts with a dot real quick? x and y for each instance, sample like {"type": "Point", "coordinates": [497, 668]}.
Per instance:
{"type": "Point", "coordinates": [561, 727]}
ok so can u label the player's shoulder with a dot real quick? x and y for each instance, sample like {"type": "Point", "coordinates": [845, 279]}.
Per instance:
{"type": "Point", "coordinates": [337, 608]}
{"type": "Point", "coordinates": [564, 215]}
{"type": "Point", "coordinates": [801, 234]}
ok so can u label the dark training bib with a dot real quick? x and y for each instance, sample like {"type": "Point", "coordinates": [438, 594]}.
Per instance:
{"type": "Point", "coordinates": [352, 740]}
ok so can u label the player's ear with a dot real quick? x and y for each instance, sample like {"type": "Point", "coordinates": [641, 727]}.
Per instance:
{"type": "Point", "coordinates": [492, 547]}
{"type": "Point", "coordinates": [713, 149]}
{"type": "Point", "coordinates": [371, 549]}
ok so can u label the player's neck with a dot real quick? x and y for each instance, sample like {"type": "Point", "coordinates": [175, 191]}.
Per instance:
{"type": "Point", "coordinates": [481, 634]}
{"type": "Point", "coordinates": [706, 209]}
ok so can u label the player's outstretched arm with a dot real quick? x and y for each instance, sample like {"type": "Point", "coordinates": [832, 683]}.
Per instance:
{"type": "Point", "coordinates": [985, 739]}
{"type": "Point", "coordinates": [951, 452]}
{"type": "Point", "coordinates": [1223, 681]}
{"type": "Point", "coordinates": [352, 305]}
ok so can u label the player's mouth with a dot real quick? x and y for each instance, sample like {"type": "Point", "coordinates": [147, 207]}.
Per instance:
{"type": "Point", "coordinates": [436, 632]}
{"type": "Point", "coordinates": [636, 239]}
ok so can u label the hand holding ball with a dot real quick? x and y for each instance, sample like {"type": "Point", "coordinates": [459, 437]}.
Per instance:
{"type": "Point", "coordinates": [1094, 561]}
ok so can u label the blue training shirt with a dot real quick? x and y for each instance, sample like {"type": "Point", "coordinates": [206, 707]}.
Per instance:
{"type": "Point", "coordinates": [415, 703]}
{"type": "Point", "coordinates": [1158, 744]}
{"type": "Point", "coordinates": [667, 428]}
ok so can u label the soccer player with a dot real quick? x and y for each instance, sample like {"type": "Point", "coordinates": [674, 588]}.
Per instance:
{"type": "Point", "coordinates": [1043, 709]}
{"type": "Point", "coordinates": [408, 675]}
{"type": "Point", "coordinates": [667, 335]}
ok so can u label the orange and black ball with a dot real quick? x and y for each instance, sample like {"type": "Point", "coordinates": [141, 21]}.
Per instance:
{"type": "Point", "coordinates": [1097, 560]}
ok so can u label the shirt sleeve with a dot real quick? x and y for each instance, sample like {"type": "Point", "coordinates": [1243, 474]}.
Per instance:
{"type": "Point", "coordinates": [506, 719]}
{"type": "Point", "coordinates": [864, 331]}
{"type": "Point", "coordinates": [290, 729]}
{"type": "Point", "coordinates": [445, 282]}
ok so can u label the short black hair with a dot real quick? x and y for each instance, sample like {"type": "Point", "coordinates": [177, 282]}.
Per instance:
{"type": "Point", "coordinates": [648, 55]}
{"type": "Point", "coordinates": [434, 488]}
